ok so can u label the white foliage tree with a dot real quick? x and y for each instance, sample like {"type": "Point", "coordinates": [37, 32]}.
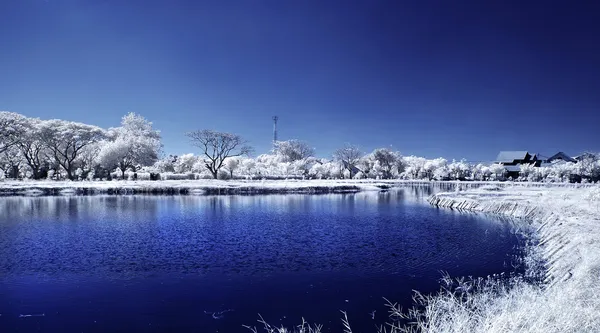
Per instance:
{"type": "Point", "coordinates": [166, 164]}
{"type": "Point", "coordinates": [66, 140]}
{"type": "Point", "coordinates": [248, 167]}
{"type": "Point", "coordinates": [459, 169]}
{"type": "Point", "coordinates": [561, 171]}
{"type": "Point", "coordinates": [12, 125]}
{"type": "Point", "coordinates": [303, 166]}
{"type": "Point", "coordinates": [387, 161]}
{"type": "Point", "coordinates": [441, 173]}
{"type": "Point", "coordinates": [498, 171]}
{"type": "Point", "coordinates": [32, 148]}
{"type": "Point", "coordinates": [317, 171]}
{"type": "Point", "coordinates": [232, 164]}
{"type": "Point", "coordinates": [11, 162]}
{"type": "Point", "coordinates": [527, 172]}
{"type": "Point", "coordinates": [133, 145]}
{"type": "Point", "coordinates": [415, 167]}
{"type": "Point", "coordinates": [185, 163]}
{"type": "Point", "coordinates": [366, 165]}
{"type": "Point", "coordinates": [589, 166]}
{"type": "Point", "coordinates": [293, 150]}
{"type": "Point", "coordinates": [481, 172]}
{"type": "Point", "coordinates": [436, 168]}
{"type": "Point", "coordinates": [349, 156]}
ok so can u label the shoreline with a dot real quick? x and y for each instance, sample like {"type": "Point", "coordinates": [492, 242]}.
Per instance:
{"type": "Point", "coordinates": [186, 187]}
{"type": "Point", "coordinates": [236, 187]}
{"type": "Point", "coordinates": [567, 223]}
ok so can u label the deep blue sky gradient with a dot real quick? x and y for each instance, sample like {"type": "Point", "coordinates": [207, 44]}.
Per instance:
{"type": "Point", "coordinates": [458, 79]}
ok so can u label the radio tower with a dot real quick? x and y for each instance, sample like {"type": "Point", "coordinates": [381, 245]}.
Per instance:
{"type": "Point", "coordinates": [275, 118]}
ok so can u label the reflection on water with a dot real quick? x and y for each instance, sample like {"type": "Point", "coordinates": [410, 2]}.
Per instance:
{"type": "Point", "coordinates": [126, 261]}
{"type": "Point", "coordinates": [68, 207]}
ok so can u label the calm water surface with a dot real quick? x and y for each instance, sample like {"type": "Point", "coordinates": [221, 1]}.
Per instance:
{"type": "Point", "coordinates": [167, 263]}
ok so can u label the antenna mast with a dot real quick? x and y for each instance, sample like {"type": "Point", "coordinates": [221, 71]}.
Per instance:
{"type": "Point", "coordinates": [275, 118]}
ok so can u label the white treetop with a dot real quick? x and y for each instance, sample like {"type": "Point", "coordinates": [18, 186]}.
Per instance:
{"type": "Point", "coordinates": [66, 139]}
{"type": "Point", "coordinates": [134, 144]}
{"type": "Point", "coordinates": [11, 125]}
{"type": "Point", "coordinates": [293, 150]}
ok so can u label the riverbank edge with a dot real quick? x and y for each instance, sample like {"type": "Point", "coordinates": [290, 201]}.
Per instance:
{"type": "Point", "coordinates": [227, 187]}
{"type": "Point", "coordinates": [186, 187]}
{"type": "Point", "coordinates": [567, 222]}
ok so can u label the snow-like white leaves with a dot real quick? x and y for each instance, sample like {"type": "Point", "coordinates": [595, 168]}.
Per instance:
{"type": "Point", "coordinates": [293, 150]}
{"type": "Point", "coordinates": [348, 156]}
{"type": "Point", "coordinates": [30, 147]}
{"type": "Point", "coordinates": [66, 140]}
{"type": "Point", "coordinates": [11, 125]}
{"type": "Point", "coordinates": [58, 147]}
{"type": "Point", "coordinates": [133, 145]}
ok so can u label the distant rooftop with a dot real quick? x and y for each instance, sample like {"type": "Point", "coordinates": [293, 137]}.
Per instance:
{"type": "Point", "coordinates": [562, 156]}
{"type": "Point", "coordinates": [509, 156]}
{"type": "Point", "coordinates": [512, 168]}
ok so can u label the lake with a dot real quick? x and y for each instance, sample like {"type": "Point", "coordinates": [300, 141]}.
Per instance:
{"type": "Point", "coordinates": [213, 263]}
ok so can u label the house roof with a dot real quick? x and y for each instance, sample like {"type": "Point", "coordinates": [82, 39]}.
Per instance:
{"type": "Point", "coordinates": [562, 156]}
{"type": "Point", "coordinates": [509, 156]}
{"type": "Point", "coordinates": [513, 168]}
{"type": "Point", "coordinates": [584, 156]}
{"type": "Point", "coordinates": [542, 157]}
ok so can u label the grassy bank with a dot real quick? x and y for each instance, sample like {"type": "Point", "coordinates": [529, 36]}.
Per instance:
{"type": "Point", "coordinates": [567, 223]}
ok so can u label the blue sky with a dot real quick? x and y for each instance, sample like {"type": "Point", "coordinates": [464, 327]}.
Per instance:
{"type": "Point", "coordinates": [458, 79]}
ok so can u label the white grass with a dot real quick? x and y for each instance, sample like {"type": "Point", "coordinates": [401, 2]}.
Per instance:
{"type": "Point", "coordinates": [567, 222]}
{"type": "Point", "coordinates": [304, 327]}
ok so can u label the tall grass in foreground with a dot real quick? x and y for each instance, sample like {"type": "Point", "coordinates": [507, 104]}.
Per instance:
{"type": "Point", "coordinates": [302, 328]}
{"type": "Point", "coordinates": [495, 304]}
{"type": "Point", "coordinates": [459, 304]}
{"type": "Point", "coordinates": [485, 305]}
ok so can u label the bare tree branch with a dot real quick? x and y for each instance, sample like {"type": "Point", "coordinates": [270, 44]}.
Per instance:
{"type": "Point", "coordinates": [65, 140]}
{"type": "Point", "coordinates": [218, 146]}
{"type": "Point", "coordinates": [349, 156]}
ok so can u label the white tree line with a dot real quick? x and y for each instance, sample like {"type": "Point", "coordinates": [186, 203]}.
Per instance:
{"type": "Point", "coordinates": [59, 149]}
{"type": "Point", "coordinates": [380, 164]}
{"type": "Point", "coordinates": [31, 148]}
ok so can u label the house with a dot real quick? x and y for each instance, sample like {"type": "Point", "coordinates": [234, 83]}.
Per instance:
{"type": "Point", "coordinates": [558, 158]}
{"type": "Point", "coordinates": [562, 157]}
{"type": "Point", "coordinates": [354, 169]}
{"type": "Point", "coordinates": [516, 158]}
{"type": "Point", "coordinates": [512, 161]}
{"type": "Point", "coordinates": [512, 171]}
{"type": "Point", "coordinates": [586, 156]}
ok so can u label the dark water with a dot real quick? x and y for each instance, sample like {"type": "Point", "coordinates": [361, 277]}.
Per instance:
{"type": "Point", "coordinates": [157, 263]}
